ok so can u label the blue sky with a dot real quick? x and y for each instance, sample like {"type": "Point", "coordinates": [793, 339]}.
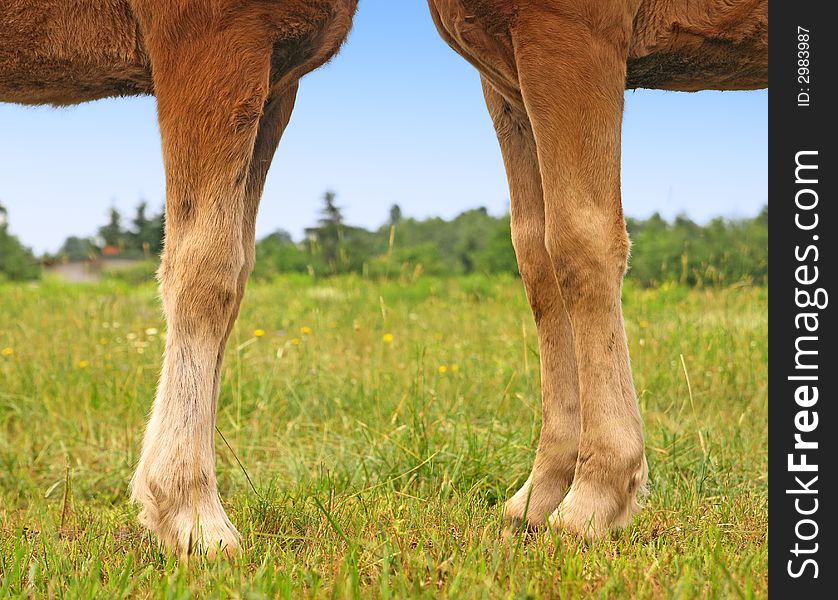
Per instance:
{"type": "Point", "coordinates": [397, 117]}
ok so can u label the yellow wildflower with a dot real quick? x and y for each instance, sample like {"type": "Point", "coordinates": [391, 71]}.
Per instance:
{"type": "Point", "coordinates": [296, 341]}
{"type": "Point", "coordinates": [455, 368]}
{"type": "Point", "coordinates": [258, 332]}
{"type": "Point", "coordinates": [83, 364]}
{"type": "Point", "coordinates": [7, 351]}
{"type": "Point", "coordinates": [443, 369]}
{"type": "Point", "coordinates": [305, 330]}
{"type": "Point", "coordinates": [387, 338]}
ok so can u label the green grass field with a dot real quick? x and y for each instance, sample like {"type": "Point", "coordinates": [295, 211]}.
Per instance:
{"type": "Point", "coordinates": [382, 426]}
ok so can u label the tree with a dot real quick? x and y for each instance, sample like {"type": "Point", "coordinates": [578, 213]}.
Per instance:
{"type": "Point", "coordinates": [147, 233]}
{"type": "Point", "coordinates": [77, 248]}
{"type": "Point", "coordinates": [140, 221]}
{"type": "Point", "coordinates": [395, 214]}
{"type": "Point", "coordinates": [498, 255]}
{"type": "Point", "coordinates": [112, 233]}
{"type": "Point", "coordinates": [329, 232]}
{"type": "Point", "coordinates": [17, 262]}
{"type": "Point", "coordinates": [278, 253]}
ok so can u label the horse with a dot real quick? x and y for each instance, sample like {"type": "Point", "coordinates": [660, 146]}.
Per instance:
{"type": "Point", "coordinates": [225, 75]}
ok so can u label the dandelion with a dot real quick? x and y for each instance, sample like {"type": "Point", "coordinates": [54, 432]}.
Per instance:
{"type": "Point", "coordinates": [455, 368]}
{"type": "Point", "coordinates": [296, 341]}
{"type": "Point", "coordinates": [83, 364]}
{"type": "Point", "coordinates": [7, 351]}
{"type": "Point", "coordinates": [443, 369]}
{"type": "Point", "coordinates": [387, 338]}
{"type": "Point", "coordinates": [305, 330]}
{"type": "Point", "coordinates": [258, 333]}
{"type": "Point", "coordinates": [151, 331]}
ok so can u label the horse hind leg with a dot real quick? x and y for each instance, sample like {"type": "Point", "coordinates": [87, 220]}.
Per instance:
{"type": "Point", "coordinates": [555, 459]}
{"type": "Point", "coordinates": [572, 84]}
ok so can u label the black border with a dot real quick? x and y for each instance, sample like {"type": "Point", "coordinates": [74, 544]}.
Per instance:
{"type": "Point", "coordinates": [794, 128]}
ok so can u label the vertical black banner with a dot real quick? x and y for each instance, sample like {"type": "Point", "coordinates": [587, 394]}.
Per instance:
{"type": "Point", "coordinates": [803, 438]}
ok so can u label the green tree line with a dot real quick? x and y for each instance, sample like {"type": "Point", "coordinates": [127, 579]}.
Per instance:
{"type": "Point", "coordinates": [721, 252]}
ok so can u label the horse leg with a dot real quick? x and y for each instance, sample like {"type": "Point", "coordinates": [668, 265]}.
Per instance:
{"type": "Point", "coordinates": [558, 443]}
{"type": "Point", "coordinates": [572, 70]}
{"type": "Point", "coordinates": [211, 89]}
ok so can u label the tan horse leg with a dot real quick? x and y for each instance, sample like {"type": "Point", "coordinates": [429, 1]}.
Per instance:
{"type": "Point", "coordinates": [211, 91]}
{"type": "Point", "coordinates": [555, 459]}
{"type": "Point", "coordinates": [572, 76]}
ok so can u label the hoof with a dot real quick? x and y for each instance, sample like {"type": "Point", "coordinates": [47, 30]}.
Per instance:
{"type": "Point", "coordinates": [192, 524]}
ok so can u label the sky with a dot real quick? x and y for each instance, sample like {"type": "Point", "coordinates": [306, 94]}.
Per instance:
{"type": "Point", "coordinates": [397, 117]}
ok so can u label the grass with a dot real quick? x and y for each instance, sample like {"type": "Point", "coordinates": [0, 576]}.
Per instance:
{"type": "Point", "coordinates": [382, 425]}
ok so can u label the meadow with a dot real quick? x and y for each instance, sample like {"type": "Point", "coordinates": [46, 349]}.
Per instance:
{"type": "Point", "coordinates": [368, 434]}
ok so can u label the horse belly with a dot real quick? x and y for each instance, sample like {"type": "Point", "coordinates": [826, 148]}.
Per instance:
{"type": "Point", "coordinates": [699, 45]}
{"type": "Point", "coordinates": [69, 51]}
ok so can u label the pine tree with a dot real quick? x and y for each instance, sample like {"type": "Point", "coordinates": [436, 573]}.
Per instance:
{"type": "Point", "coordinates": [147, 232]}
{"type": "Point", "coordinates": [112, 233]}
{"type": "Point", "coordinates": [330, 231]}
{"type": "Point", "coordinates": [395, 214]}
